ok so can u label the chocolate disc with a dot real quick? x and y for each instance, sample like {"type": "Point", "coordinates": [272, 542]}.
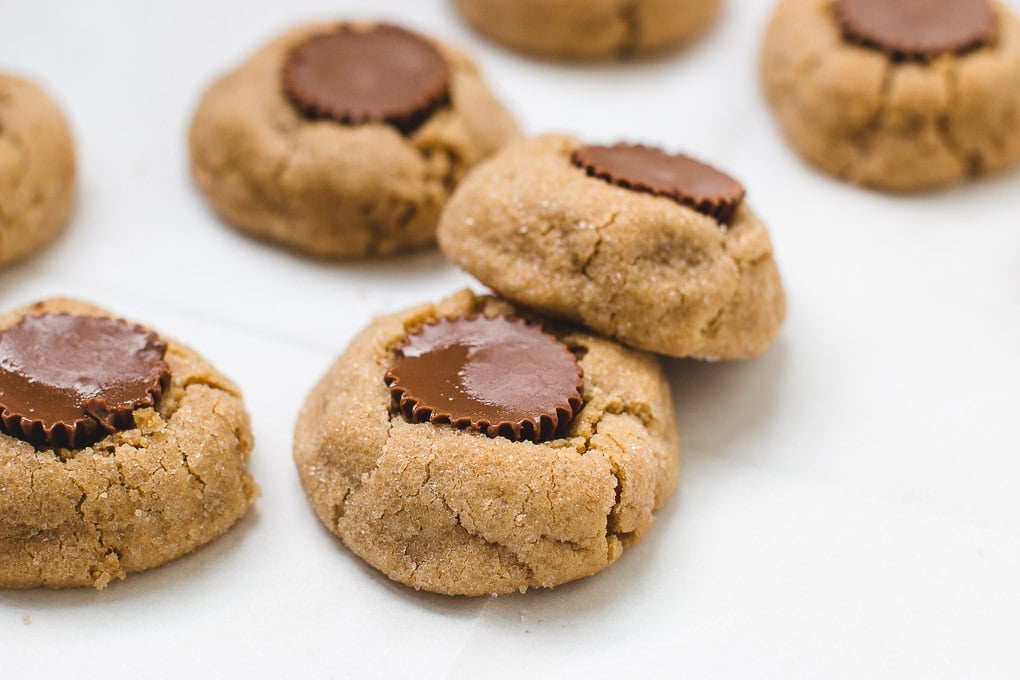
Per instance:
{"type": "Point", "coordinates": [68, 381]}
{"type": "Point", "coordinates": [683, 179]}
{"type": "Point", "coordinates": [381, 74]}
{"type": "Point", "coordinates": [917, 28]}
{"type": "Point", "coordinates": [494, 375]}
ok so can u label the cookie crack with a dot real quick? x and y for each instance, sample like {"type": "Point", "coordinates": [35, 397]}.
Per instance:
{"type": "Point", "coordinates": [190, 470]}
{"type": "Point", "coordinates": [627, 13]}
{"type": "Point", "coordinates": [587, 262]}
{"type": "Point", "coordinates": [448, 178]}
{"type": "Point", "coordinates": [212, 384]}
{"type": "Point", "coordinates": [102, 577]}
{"type": "Point", "coordinates": [356, 484]}
{"type": "Point", "coordinates": [971, 162]}
{"type": "Point", "coordinates": [502, 549]}
{"type": "Point", "coordinates": [710, 331]}
{"type": "Point", "coordinates": [864, 138]}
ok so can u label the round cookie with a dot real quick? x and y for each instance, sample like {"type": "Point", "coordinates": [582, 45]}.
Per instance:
{"type": "Point", "coordinates": [589, 29]}
{"type": "Point", "coordinates": [897, 95]}
{"type": "Point", "coordinates": [37, 169]}
{"type": "Point", "coordinates": [169, 479]}
{"type": "Point", "coordinates": [295, 148]}
{"type": "Point", "coordinates": [457, 511]}
{"type": "Point", "coordinates": [641, 264]}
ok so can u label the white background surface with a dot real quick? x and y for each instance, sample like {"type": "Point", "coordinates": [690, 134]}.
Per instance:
{"type": "Point", "coordinates": [849, 504]}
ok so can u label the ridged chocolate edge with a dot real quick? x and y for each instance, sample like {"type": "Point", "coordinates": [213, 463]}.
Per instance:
{"type": "Point", "coordinates": [546, 427]}
{"type": "Point", "coordinates": [916, 52]}
{"type": "Point", "coordinates": [83, 432]}
{"type": "Point", "coordinates": [721, 208]}
{"type": "Point", "coordinates": [407, 122]}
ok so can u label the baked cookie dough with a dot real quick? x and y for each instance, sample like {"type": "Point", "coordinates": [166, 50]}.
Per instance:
{"type": "Point", "coordinates": [589, 29]}
{"type": "Point", "coordinates": [344, 140]}
{"type": "Point", "coordinates": [592, 235]}
{"type": "Point", "coordinates": [894, 94]}
{"type": "Point", "coordinates": [461, 508]}
{"type": "Point", "coordinates": [119, 450]}
{"type": "Point", "coordinates": [37, 169]}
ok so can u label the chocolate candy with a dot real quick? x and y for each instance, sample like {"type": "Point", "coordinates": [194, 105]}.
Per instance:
{"type": "Point", "coordinates": [494, 375]}
{"type": "Point", "coordinates": [917, 29]}
{"type": "Point", "coordinates": [674, 176]}
{"type": "Point", "coordinates": [68, 381]}
{"type": "Point", "coordinates": [379, 74]}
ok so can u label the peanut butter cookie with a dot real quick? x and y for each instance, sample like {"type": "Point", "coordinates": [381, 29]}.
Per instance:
{"type": "Point", "coordinates": [589, 29]}
{"type": "Point", "coordinates": [655, 250]}
{"type": "Point", "coordinates": [461, 449]}
{"type": "Point", "coordinates": [119, 450]}
{"type": "Point", "coordinates": [899, 95]}
{"type": "Point", "coordinates": [344, 140]}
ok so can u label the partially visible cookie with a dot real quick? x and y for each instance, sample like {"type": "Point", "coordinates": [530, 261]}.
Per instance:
{"type": "Point", "coordinates": [453, 448]}
{"type": "Point", "coordinates": [344, 139]}
{"type": "Point", "coordinates": [37, 169]}
{"type": "Point", "coordinates": [589, 29]}
{"type": "Point", "coordinates": [655, 250]}
{"type": "Point", "coordinates": [900, 95]}
{"type": "Point", "coordinates": [119, 450]}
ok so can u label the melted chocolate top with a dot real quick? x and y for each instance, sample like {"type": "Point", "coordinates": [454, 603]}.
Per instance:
{"type": "Point", "coordinates": [495, 375]}
{"type": "Point", "coordinates": [917, 29]}
{"type": "Point", "coordinates": [68, 381]}
{"type": "Point", "coordinates": [674, 176]}
{"type": "Point", "coordinates": [354, 76]}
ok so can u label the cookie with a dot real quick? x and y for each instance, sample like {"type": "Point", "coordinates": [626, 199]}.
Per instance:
{"type": "Point", "coordinates": [655, 250]}
{"type": "Point", "coordinates": [589, 29]}
{"type": "Point", "coordinates": [344, 140]}
{"type": "Point", "coordinates": [898, 95]}
{"type": "Point", "coordinates": [119, 450]}
{"type": "Point", "coordinates": [37, 169]}
{"type": "Point", "coordinates": [460, 449]}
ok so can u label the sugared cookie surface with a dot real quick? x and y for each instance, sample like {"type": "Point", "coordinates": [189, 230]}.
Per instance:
{"type": "Point", "coordinates": [900, 95]}
{"type": "Point", "coordinates": [462, 449]}
{"type": "Point", "coordinates": [589, 29]}
{"type": "Point", "coordinates": [344, 140]}
{"type": "Point", "coordinates": [119, 450]}
{"type": "Point", "coordinates": [653, 249]}
{"type": "Point", "coordinates": [37, 169]}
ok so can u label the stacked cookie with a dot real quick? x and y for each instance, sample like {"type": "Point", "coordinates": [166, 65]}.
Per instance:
{"type": "Point", "coordinates": [486, 445]}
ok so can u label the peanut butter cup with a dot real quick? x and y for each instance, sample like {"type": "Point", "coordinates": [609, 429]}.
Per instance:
{"type": "Point", "coordinates": [917, 29]}
{"type": "Point", "coordinates": [66, 381]}
{"type": "Point", "coordinates": [496, 375]}
{"type": "Point", "coordinates": [674, 176]}
{"type": "Point", "coordinates": [362, 75]}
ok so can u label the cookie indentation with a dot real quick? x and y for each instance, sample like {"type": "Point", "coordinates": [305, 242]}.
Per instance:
{"type": "Point", "coordinates": [674, 176]}
{"type": "Point", "coordinates": [381, 74]}
{"type": "Point", "coordinates": [68, 380]}
{"type": "Point", "coordinates": [496, 375]}
{"type": "Point", "coordinates": [917, 29]}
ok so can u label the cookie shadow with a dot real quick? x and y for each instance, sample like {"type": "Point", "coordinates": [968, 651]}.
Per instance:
{"type": "Point", "coordinates": [158, 582]}
{"type": "Point", "coordinates": [407, 264]}
{"type": "Point", "coordinates": [406, 267]}
{"type": "Point", "coordinates": [449, 605]}
{"type": "Point", "coordinates": [14, 275]}
{"type": "Point", "coordinates": [718, 406]}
